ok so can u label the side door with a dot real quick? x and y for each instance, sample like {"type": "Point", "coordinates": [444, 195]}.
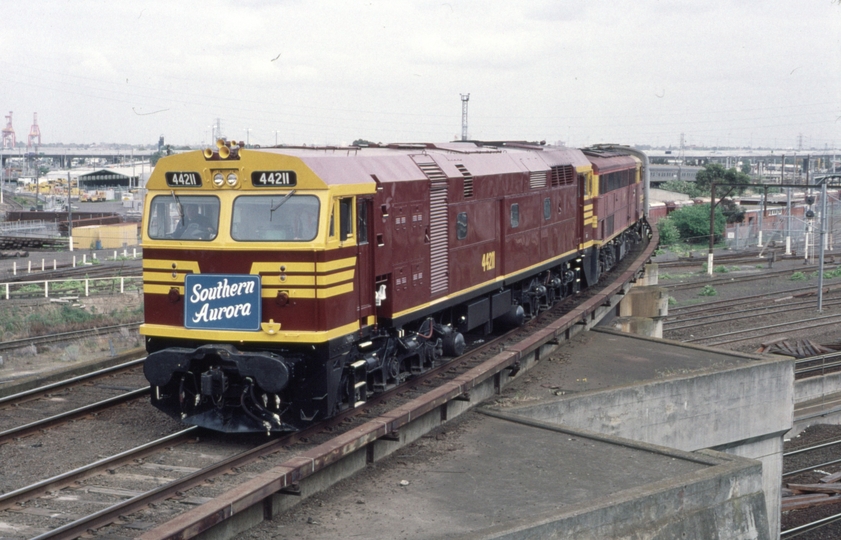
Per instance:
{"type": "Point", "coordinates": [364, 261]}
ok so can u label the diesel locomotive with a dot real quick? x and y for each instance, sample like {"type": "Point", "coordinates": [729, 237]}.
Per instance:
{"type": "Point", "coordinates": [283, 285]}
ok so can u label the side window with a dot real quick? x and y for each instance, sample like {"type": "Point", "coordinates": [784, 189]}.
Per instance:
{"type": "Point", "coordinates": [515, 215]}
{"type": "Point", "coordinates": [461, 226]}
{"type": "Point", "coordinates": [547, 208]}
{"type": "Point", "coordinates": [346, 218]}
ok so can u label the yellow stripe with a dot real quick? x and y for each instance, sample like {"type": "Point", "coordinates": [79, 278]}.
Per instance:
{"type": "Point", "coordinates": [293, 293]}
{"type": "Point", "coordinates": [160, 289]}
{"type": "Point", "coordinates": [281, 336]}
{"type": "Point", "coordinates": [290, 281]}
{"type": "Point", "coordinates": [499, 279]}
{"type": "Point", "coordinates": [338, 277]}
{"type": "Point", "coordinates": [164, 264]}
{"type": "Point", "coordinates": [273, 267]}
{"type": "Point", "coordinates": [335, 265]}
{"type": "Point", "coordinates": [328, 292]}
{"type": "Point", "coordinates": [335, 291]}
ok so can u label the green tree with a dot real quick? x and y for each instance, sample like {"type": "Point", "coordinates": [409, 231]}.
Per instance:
{"type": "Point", "coordinates": [715, 172]}
{"type": "Point", "coordinates": [693, 222]}
{"type": "Point", "coordinates": [668, 232]}
{"type": "Point", "coordinates": [733, 213]}
{"type": "Point", "coordinates": [682, 186]}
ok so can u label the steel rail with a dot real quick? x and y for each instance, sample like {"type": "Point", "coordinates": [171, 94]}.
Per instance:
{"type": "Point", "coordinates": [768, 310]}
{"type": "Point", "coordinates": [732, 280]}
{"type": "Point", "coordinates": [63, 336]}
{"type": "Point", "coordinates": [71, 381]}
{"type": "Point", "coordinates": [64, 417]}
{"type": "Point", "coordinates": [811, 448]}
{"type": "Point", "coordinates": [800, 325]}
{"type": "Point", "coordinates": [131, 266]}
{"type": "Point", "coordinates": [288, 474]}
{"type": "Point", "coordinates": [811, 467]}
{"type": "Point", "coordinates": [797, 531]}
{"type": "Point", "coordinates": [770, 296]}
{"type": "Point", "coordinates": [39, 488]}
{"type": "Point", "coordinates": [110, 514]}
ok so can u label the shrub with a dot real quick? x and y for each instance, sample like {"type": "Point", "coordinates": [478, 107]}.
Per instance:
{"type": "Point", "coordinates": [799, 276]}
{"type": "Point", "coordinates": [708, 290]}
{"type": "Point", "coordinates": [693, 222]}
{"type": "Point", "coordinates": [668, 232]}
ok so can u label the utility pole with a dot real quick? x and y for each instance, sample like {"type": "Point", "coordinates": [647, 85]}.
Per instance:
{"type": "Point", "coordinates": [464, 100]}
{"type": "Point", "coordinates": [70, 209]}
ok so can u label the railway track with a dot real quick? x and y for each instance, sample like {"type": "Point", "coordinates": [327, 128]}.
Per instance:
{"type": "Point", "coordinates": [53, 404]}
{"type": "Point", "coordinates": [735, 280]}
{"type": "Point", "coordinates": [130, 267]}
{"type": "Point", "coordinates": [65, 336]}
{"type": "Point", "coordinates": [91, 473]}
{"type": "Point", "coordinates": [750, 257]}
{"type": "Point", "coordinates": [759, 332]}
{"type": "Point", "coordinates": [808, 514]}
{"type": "Point", "coordinates": [298, 455]}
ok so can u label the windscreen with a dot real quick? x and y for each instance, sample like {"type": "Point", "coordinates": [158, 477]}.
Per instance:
{"type": "Point", "coordinates": [289, 218]}
{"type": "Point", "coordinates": [184, 217]}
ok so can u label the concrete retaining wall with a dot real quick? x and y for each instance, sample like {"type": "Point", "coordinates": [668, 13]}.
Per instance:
{"type": "Point", "coordinates": [743, 410]}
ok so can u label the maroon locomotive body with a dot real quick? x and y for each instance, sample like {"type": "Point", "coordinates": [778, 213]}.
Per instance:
{"type": "Point", "coordinates": [363, 265]}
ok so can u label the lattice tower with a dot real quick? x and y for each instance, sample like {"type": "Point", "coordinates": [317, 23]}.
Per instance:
{"type": "Point", "coordinates": [464, 100]}
{"type": "Point", "coordinates": [9, 133]}
{"type": "Point", "coordinates": [34, 133]}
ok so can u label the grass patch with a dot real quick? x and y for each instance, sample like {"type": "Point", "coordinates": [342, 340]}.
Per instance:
{"type": "Point", "coordinates": [675, 276]}
{"type": "Point", "coordinates": [708, 290]}
{"type": "Point", "coordinates": [799, 276]}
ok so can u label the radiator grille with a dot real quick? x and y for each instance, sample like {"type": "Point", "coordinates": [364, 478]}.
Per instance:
{"type": "Point", "coordinates": [537, 179]}
{"type": "Point", "coordinates": [468, 180]}
{"type": "Point", "coordinates": [438, 223]}
{"type": "Point", "coordinates": [563, 175]}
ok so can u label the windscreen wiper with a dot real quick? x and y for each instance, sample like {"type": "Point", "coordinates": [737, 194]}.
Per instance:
{"type": "Point", "coordinates": [178, 201]}
{"type": "Point", "coordinates": [278, 205]}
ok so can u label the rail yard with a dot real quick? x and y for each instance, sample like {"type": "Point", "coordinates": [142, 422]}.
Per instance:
{"type": "Point", "coordinates": [106, 461]}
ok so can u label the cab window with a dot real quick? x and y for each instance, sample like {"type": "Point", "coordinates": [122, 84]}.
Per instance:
{"type": "Point", "coordinates": [346, 218]}
{"type": "Point", "coordinates": [292, 218]}
{"type": "Point", "coordinates": [184, 217]}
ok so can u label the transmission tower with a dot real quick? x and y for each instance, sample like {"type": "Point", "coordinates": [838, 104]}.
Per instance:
{"type": "Point", "coordinates": [464, 100]}
{"type": "Point", "coordinates": [9, 133]}
{"type": "Point", "coordinates": [34, 134]}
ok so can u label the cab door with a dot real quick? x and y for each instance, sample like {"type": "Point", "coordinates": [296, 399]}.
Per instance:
{"type": "Point", "coordinates": [365, 261]}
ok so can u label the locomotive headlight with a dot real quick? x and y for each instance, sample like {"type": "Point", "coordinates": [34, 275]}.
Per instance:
{"type": "Point", "coordinates": [218, 179]}
{"type": "Point", "coordinates": [232, 179]}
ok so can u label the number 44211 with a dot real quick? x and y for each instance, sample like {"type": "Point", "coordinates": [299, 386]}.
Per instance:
{"type": "Point", "coordinates": [489, 261]}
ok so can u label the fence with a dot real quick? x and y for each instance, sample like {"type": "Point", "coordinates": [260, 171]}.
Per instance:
{"type": "Point", "coordinates": [63, 288]}
{"type": "Point", "coordinates": [76, 261]}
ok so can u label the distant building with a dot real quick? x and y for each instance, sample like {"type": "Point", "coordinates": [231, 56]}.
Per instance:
{"type": "Point", "coordinates": [106, 178]}
{"type": "Point", "coordinates": [666, 173]}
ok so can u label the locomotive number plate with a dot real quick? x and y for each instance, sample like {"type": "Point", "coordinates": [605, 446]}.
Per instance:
{"type": "Point", "coordinates": [222, 302]}
{"type": "Point", "coordinates": [274, 178]}
{"type": "Point", "coordinates": [183, 179]}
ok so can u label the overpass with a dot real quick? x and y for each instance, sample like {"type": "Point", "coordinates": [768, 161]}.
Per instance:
{"type": "Point", "coordinates": [63, 156]}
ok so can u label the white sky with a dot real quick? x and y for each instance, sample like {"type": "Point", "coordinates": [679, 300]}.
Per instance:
{"type": "Point", "coordinates": [723, 72]}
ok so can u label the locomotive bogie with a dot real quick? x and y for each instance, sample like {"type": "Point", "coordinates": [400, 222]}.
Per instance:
{"type": "Point", "coordinates": [312, 279]}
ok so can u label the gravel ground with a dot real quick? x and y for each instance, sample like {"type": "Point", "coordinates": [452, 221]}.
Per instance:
{"type": "Point", "coordinates": [809, 437]}
{"type": "Point", "coordinates": [774, 286]}
{"type": "Point", "coordinates": [31, 458]}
